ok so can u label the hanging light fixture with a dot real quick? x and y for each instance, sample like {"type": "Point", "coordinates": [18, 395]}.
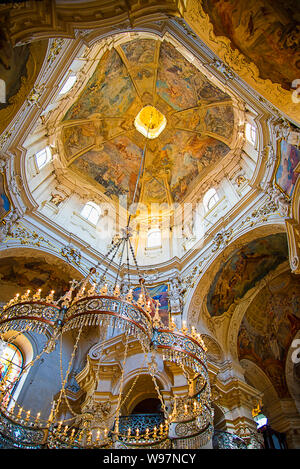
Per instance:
{"type": "Point", "coordinates": [99, 304]}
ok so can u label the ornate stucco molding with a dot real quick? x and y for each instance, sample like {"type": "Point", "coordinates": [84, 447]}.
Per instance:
{"type": "Point", "coordinates": [36, 20]}
{"type": "Point", "coordinates": [293, 230]}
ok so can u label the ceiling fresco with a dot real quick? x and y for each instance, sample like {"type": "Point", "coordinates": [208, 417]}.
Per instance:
{"type": "Point", "coordinates": [269, 326]}
{"type": "Point", "coordinates": [266, 32]}
{"type": "Point", "coordinates": [244, 268]}
{"type": "Point", "coordinates": [18, 274]}
{"type": "Point", "coordinates": [102, 144]}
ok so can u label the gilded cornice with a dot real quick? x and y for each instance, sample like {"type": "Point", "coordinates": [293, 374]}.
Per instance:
{"type": "Point", "coordinates": [36, 20]}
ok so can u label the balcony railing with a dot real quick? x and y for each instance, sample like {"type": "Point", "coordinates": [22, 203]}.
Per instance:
{"type": "Point", "coordinates": [140, 421]}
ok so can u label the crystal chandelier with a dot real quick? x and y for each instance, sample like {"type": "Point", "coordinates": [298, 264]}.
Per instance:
{"type": "Point", "coordinates": [99, 303]}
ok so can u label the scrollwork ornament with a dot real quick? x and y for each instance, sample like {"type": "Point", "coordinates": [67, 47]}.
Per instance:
{"type": "Point", "coordinates": [279, 199]}
{"type": "Point", "coordinates": [281, 128]}
{"type": "Point", "coordinates": [181, 429]}
{"type": "Point", "coordinates": [8, 223]}
{"type": "Point", "coordinates": [268, 153]}
{"type": "Point", "coordinates": [222, 239]}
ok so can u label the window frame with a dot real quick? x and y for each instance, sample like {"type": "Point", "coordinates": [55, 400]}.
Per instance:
{"type": "Point", "coordinates": [208, 199]}
{"type": "Point", "coordinates": [10, 363]}
{"type": "Point", "coordinates": [46, 150]}
{"type": "Point", "coordinates": [251, 129]}
{"type": "Point", "coordinates": [151, 232]}
{"type": "Point", "coordinates": [72, 77]}
{"type": "Point", "coordinates": [93, 208]}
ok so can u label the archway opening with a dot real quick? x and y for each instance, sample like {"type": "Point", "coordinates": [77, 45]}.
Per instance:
{"type": "Point", "coordinates": [148, 406]}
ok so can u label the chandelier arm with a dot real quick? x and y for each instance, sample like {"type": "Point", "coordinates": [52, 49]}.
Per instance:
{"type": "Point", "coordinates": [56, 408]}
{"type": "Point", "coordinates": [141, 169]}
{"type": "Point", "coordinates": [11, 339]}
{"type": "Point", "coordinates": [133, 384]}
{"type": "Point", "coordinates": [117, 413]}
{"type": "Point", "coordinates": [64, 390]}
{"type": "Point", "coordinates": [119, 266]}
{"type": "Point", "coordinates": [134, 258]}
{"type": "Point", "coordinates": [114, 248]}
{"type": "Point", "coordinates": [155, 382]}
{"type": "Point", "coordinates": [97, 376]}
{"type": "Point", "coordinates": [144, 290]}
{"type": "Point", "coordinates": [127, 260]}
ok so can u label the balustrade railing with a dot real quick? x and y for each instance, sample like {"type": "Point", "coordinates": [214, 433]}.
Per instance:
{"type": "Point", "coordinates": [140, 421]}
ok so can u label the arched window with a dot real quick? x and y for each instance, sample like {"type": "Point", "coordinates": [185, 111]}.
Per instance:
{"type": "Point", "coordinates": [154, 238]}
{"type": "Point", "coordinates": [43, 157]}
{"type": "Point", "coordinates": [210, 199]}
{"type": "Point", "coordinates": [68, 84]}
{"type": "Point", "coordinates": [250, 132]}
{"type": "Point", "coordinates": [91, 212]}
{"type": "Point", "coordinates": [11, 364]}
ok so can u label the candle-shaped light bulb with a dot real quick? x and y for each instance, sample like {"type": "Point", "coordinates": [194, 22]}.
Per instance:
{"type": "Point", "coordinates": [59, 426]}
{"type": "Point", "coordinates": [25, 296]}
{"type": "Point", "coordinates": [117, 290]}
{"type": "Point", "coordinates": [140, 301]}
{"type": "Point", "coordinates": [129, 432]}
{"type": "Point", "coordinates": [129, 295]}
{"type": "Point", "coordinates": [37, 295]}
{"type": "Point", "coordinates": [154, 432]}
{"type": "Point", "coordinates": [98, 435]}
{"type": "Point", "coordinates": [72, 434]}
{"type": "Point", "coordinates": [20, 412]}
{"type": "Point", "coordinates": [92, 289]}
{"type": "Point", "coordinates": [147, 433]}
{"type": "Point", "coordinates": [185, 409]}
{"type": "Point", "coordinates": [161, 429]}
{"type": "Point", "coordinates": [16, 298]}
{"type": "Point", "coordinates": [137, 432]}
{"type": "Point", "coordinates": [49, 298]}
{"type": "Point", "coordinates": [184, 328]}
{"type": "Point", "coordinates": [27, 416]}
{"type": "Point", "coordinates": [175, 406]}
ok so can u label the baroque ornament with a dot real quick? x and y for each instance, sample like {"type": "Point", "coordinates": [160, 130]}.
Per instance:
{"type": "Point", "coordinates": [99, 304]}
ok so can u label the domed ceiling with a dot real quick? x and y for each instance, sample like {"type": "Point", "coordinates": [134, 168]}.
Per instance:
{"type": "Point", "coordinates": [102, 143]}
{"type": "Point", "coordinates": [268, 328]}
